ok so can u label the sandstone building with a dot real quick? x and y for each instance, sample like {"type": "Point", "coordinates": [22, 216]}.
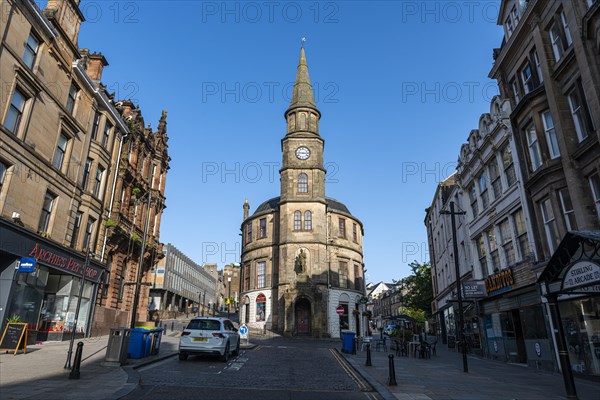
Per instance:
{"type": "Point", "coordinates": [302, 253]}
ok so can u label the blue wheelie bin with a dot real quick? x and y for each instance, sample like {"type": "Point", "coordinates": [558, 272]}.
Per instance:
{"type": "Point", "coordinates": [138, 343]}
{"type": "Point", "coordinates": [347, 341]}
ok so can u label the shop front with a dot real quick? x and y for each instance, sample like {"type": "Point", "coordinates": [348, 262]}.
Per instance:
{"type": "Point", "coordinates": [514, 325]}
{"type": "Point", "coordinates": [46, 299]}
{"type": "Point", "coordinates": [571, 284]}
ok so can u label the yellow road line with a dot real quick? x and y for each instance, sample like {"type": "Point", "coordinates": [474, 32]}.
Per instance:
{"type": "Point", "coordinates": [351, 373]}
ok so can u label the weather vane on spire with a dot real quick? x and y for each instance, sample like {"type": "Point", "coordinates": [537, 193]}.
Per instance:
{"type": "Point", "coordinates": [302, 41]}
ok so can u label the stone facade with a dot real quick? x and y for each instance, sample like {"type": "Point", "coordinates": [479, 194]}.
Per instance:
{"type": "Point", "coordinates": [302, 252]}
{"type": "Point", "coordinates": [60, 137]}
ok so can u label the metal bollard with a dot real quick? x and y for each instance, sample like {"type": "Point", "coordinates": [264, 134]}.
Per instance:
{"type": "Point", "coordinates": [172, 326]}
{"type": "Point", "coordinates": [74, 374]}
{"type": "Point", "coordinates": [368, 363]}
{"type": "Point", "coordinates": [354, 344]}
{"type": "Point", "coordinates": [392, 377]}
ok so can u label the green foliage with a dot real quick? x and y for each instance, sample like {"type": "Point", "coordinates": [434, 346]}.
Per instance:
{"type": "Point", "coordinates": [416, 314]}
{"type": "Point", "coordinates": [135, 191]}
{"type": "Point", "coordinates": [14, 318]}
{"type": "Point", "coordinates": [420, 290]}
{"type": "Point", "coordinates": [110, 223]}
{"type": "Point", "coordinates": [136, 238]}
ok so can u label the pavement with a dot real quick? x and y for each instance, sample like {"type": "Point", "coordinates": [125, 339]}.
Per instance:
{"type": "Point", "coordinates": [40, 374]}
{"type": "Point", "coordinates": [442, 378]}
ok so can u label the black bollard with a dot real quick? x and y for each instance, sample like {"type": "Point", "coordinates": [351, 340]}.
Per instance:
{"type": "Point", "coordinates": [172, 326]}
{"type": "Point", "coordinates": [368, 363]}
{"type": "Point", "coordinates": [74, 374]}
{"type": "Point", "coordinates": [392, 378]}
{"type": "Point", "coordinates": [354, 344]}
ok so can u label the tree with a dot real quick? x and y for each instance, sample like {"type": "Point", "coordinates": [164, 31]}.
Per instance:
{"type": "Point", "coordinates": [420, 290]}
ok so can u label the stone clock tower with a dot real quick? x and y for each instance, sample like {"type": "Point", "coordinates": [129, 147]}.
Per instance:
{"type": "Point", "coordinates": [302, 251]}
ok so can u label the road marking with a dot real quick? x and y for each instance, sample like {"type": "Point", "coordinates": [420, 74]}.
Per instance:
{"type": "Point", "coordinates": [351, 373]}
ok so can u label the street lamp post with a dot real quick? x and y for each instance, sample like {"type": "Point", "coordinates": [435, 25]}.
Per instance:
{"type": "Point", "coordinates": [229, 296]}
{"type": "Point", "coordinates": [203, 300]}
{"type": "Point", "coordinates": [74, 328]}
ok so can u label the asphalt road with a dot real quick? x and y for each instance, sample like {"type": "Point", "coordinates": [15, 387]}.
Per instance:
{"type": "Point", "coordinates": [277, 369]}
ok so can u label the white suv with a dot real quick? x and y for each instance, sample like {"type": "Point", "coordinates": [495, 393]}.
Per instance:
{"type": "Point", "coordinates": [206, 335]}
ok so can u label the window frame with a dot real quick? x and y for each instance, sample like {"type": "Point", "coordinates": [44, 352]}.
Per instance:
{"type": "Point", "coordinates": [594, 181]}
{"type": "Point", "coordinates": [31, 51]}
{"type": "Point", "coordinates": [95, 125]}
{"type": "Point", "coordinates": [98, 180]}
{"type": "Point", "coordinates": [550, 132]}
{"type": "Point", "coordinates": [106, 135]}
{"type": "Point", "coordinates": [343, 274]}
{"type": "Point", "coordinates": [249, 232]}
{"type": "Point", "coordinates": [302, 182]}
{"type": "Point", "coordinates": [60, 153]}
{"type": "Point", "coordinates": [3, 172]}
{"type": "Point", "coordinates": [297, 220]}
{"type": "Point", "coordinates": [89, 234]}
{"type": "Point", "coordinates": [342, 228]}
{"type": "Point", "coordinates": [72, 98]}
{"type": "Point", "coordinates": [568, 214]}
{"type": "Point", "coordinates": [48, 206]}
{"type": "Point", "coordinates": [18, 112]}
{"type": "Point", "coordinates": [533, 147]}
{"type": "Point", "coordinates": [76, 227]}
{"type": "Point", "coordinates": [549, 222]}
{"type": "Point", "coordinates": [86, 173]}
{"type": "Point", "coordinates": [261, 274]}
{"type": "Point", "coordinates": [307, 220]}
{"type": "Point", "coordinates": [263, 228]}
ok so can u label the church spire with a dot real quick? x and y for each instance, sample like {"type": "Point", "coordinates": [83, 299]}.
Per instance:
{"type": "Point", "coordinates": [302, 115]}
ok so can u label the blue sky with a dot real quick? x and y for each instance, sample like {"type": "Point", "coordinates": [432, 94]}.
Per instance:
{"type": "Point", "coordinates": [400, 84]}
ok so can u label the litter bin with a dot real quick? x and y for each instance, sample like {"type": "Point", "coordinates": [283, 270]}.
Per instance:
{"type": "Point", "coordinates": [138, 343]}
{"type": "Point", "coordinates": [347, 341]}
{"type": "Point", "coordinates": [156, 336]}
{"type": "Point", "coordinates": [118, 343]}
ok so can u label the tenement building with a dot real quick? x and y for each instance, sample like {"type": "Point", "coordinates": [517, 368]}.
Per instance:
{"type": "Point", "coordinates": [131, 235]}
{"type": "Point", "coordinates": [510, 310]}
{"type": "Point", "coordinates": [441, 255]}
{"type": "Point", "coordinates": [549, 69]}
{"type": "Point", "coordinates": [59, 147]}
{"type": "Point", "coordinates": [302, 260]}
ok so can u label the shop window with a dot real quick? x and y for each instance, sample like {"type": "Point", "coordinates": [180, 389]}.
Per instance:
{"type": "Point", "coordinates": [261, 307]}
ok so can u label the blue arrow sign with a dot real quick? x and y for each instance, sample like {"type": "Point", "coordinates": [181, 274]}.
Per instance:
{"type": "Point", "coordinates": [27, 264]}
{"type": "Point", "coordinates": [243, 329]}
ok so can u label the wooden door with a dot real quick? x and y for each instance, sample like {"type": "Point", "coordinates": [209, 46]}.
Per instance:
{"type": "Point", "coordinates": [303, 317]}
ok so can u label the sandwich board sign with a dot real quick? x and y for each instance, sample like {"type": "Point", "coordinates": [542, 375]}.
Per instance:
{"type": "Point", "coordinates": [14, 337]}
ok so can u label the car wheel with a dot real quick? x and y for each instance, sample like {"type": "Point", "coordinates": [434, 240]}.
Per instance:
{"type": "Point", "coordinates": [183, 356]}
{"type": "Point", "coordinates": [236, 352]}
{"type": "Point", "coordinates": [225, 356]}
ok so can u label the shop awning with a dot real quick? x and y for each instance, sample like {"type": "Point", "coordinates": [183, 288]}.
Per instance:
{"type": "Point", "coordinates": [575, 265]}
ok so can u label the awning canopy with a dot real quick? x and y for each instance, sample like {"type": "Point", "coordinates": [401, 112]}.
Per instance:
{"type": "Point", "coordinates": [575, 265]}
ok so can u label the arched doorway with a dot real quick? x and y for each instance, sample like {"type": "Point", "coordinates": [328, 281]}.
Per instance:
{"type": "Point", "coordinates": [302, 316]}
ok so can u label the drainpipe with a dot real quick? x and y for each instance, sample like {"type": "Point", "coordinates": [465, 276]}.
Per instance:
{"type": "Point", "coordinates": [112, 196]}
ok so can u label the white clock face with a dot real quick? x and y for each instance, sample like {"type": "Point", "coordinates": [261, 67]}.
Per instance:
{"type": "Point", "coordinates": [302, 153]}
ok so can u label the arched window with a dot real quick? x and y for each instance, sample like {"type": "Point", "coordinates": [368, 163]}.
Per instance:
{"type": "Point", "coordinates": [261, 307]}
{"type": "Point", "coordinates": [307, 221]}
{"type": "Point", "coordinates": [303, 183]}
{"type": "Point", "coordinates": [297, 220]}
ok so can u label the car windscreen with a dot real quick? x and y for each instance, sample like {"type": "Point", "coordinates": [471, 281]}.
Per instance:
{"type": "Point", "coordinates": [205, 325]}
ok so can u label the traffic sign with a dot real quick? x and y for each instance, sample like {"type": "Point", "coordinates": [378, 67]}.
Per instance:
{"type": "Point", "coordinates": [243, 331]}
{"type": "Point", "coordinates": [364, 300]}
{"type": "Point", "coordinates": [339, 310]}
